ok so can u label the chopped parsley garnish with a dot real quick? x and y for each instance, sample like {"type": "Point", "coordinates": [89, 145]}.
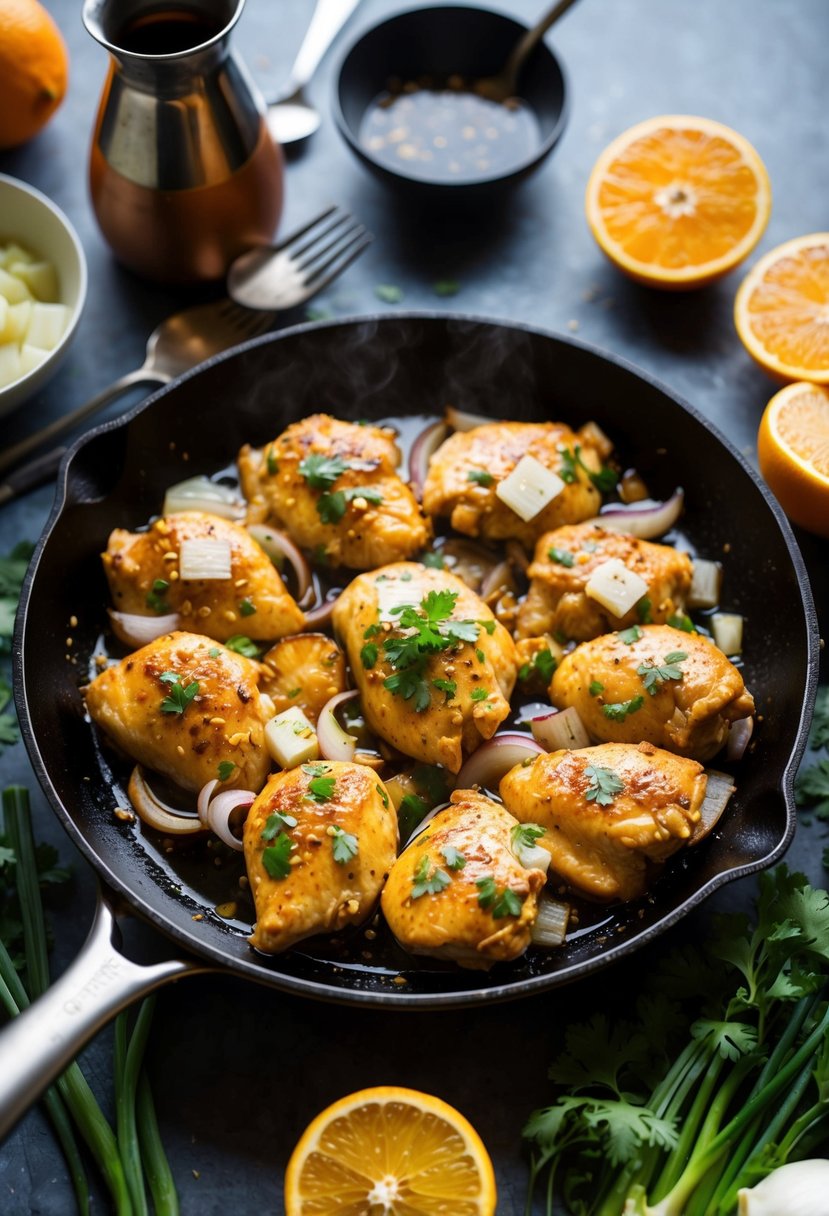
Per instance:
{"type": "Point", "coordinates": [617, 711]}
{"type": "Point", "coordinates": [653, 676]}
{"type": "Point", "coordinates": [561, 557]}
{"type": "Point", "coordinates": [156, 596]}
{"type": "Point", "coordinates": [276, 858]}
{"type": "Point", "coordinates": [502, 903]}
{"type": "Point", "coordinates": [247, 607]}
{"type": "Point", "coordinates": [430, 630]}
{"type": "Point", "coordinates": [428, 879]}
{"type": "Point", "coordinates": [453, 857]}
{"type": "Point", "coordinates": [225, 768]}
{"type": "Point", "coordinates": [384, 796]}
{"type": "Point", "coordinates": [487, 626]}
{"type": "Point", "coordinates": [293, 692]}
{"type": "Point", "coordinates": [179, 695]}
{"type": "Point", "coordinates": [604, 785]}
{"type": "Point", "coordinates": [480, 477]}
{"type": "Point", "coordinates": [643, 611]}
{"type": "Point", "coordinates": [243, 645]}
{"type": "Point", "coordinates": [681, 621]}
{"type": "Point", "coordinates": [388, 293]}
{"type": "Point", "coordinates": [595, 688]}
{"type": "Point", "coordinates": [542, 664]}
{"type": "Point", "coordinates": [567, 472]}
{"type": "Point", "coordinates": [320, 789]}
{"type": "Point", "coordinates": [479, 655]}
{"type": "Point", "coordinates": [270, 460]}
{"type": "Point", "coordinates": [525, 835]}
{"type": "Point", "coordinates": [276, 823]}
{"type": "Point", "coordinates": [322, 471]}
{"type": "Point", "coordinates": [629, 636]}
{"type": "Point", "coordinates": [345, 844]}
{"type": "Point", "coordinates": [605, 480]}
{"type": "Point", "coordinates": [433, 560]}
{"type": "Point", "coordinates": [368, 655]}
{"type": "Point", "coordinates": [449, 687]}
{"type": "Point", "coordinates": [410, 685]}
{"type": "Point", "coordinates": [331, 507]}
{"type": "Point", "coordinates": [371, 632]}
{"type": "Point", "coordinates": [214, 652]}
{"type": "Point", "coordinates": [478, 694]}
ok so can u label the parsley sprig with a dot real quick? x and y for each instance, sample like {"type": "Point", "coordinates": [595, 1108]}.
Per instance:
{"type": "Point", "coordinates": [429, 629]}
{"type": "Point", "coordinates": [322, 471]}
{"type": "Point", "coordinates": [345, 845]}
{"type": "Point", "coordinates": [655, 675]}
{"type": "Point", "coordinates": [500, 901]}
{"type": "Point", "coordinates": [179, 695]}
{"type": "Point", "coordinates": [571, 461]}
{"type": "Point", "coordinates": [428, 879]}
{"type": "Point", "coordinates": [604, 784]}
{"type": "Point", "coordinates": [617, 711]}
{"type": "Point", "coordinates": [331, 507]}
{"type": "Point", "coordinates": [320, 787]}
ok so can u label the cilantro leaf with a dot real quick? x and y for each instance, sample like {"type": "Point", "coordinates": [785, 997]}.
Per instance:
{"type": "Point", "coordinates": [225, 768]}
{"type": "Point", "coordinates": [480, 477]}
{"type": "Point", "coordinates": [180, 695]}
{"type": "Point", "coordinates": [454, 859]}
{"type": "Point", "coordinates": [595, 688]}
{"type": "Point", "coordinates": [276, 823]}
{"type": "Point", "coordinates": [525, 834]}
{"type": "Point", "coordinates": [604, 785]}
{"type": "Point", "coordinates": [654, 675]}
{"type": "Point", "coordinates": [617, 711]}
{"type": "Point", "coordinates": [561, 557]}
{"type": "Point", "coordinates": [276, 857]}
{"type": "Point", "coordinates": [320, 789]}
{"type": "Point", "coordinates": [629, 636]}
{"type": "Point", "coordinates": [243, 645]}
{"type": "Point", "coordinates": [681, 621]}
{"type": "Point", "coordinates": [322, 471]}
{"type": "Point", "coordinates": [479, 694]}
{"type": "Point", "coordinates": [433, 560]}
{"type": "Point", "coordinates": [331, 507]}
{"type": "Point", "coordinates": [446, 287]}
{"type": "Point", "coordinates": [508, 903]}
{"type": "Point", "coordinates": [428, 879]}
{"type": "Point", "coordinates": [409, 684]}
{"type": "Point", "coordinates": [643, 611]}
{"type": "Point", "coordinates": [487, 891]}
{"type": "Point", "coordinates": [156, 596]}
{"type": "Point", "coordinates": [345, 844]}
{"type": "Point", "coordinates": [247, 607]}
{"type": "Point", "coordinates": [368, 655]}
{"type": "Point", "coordinates": [449, 687]}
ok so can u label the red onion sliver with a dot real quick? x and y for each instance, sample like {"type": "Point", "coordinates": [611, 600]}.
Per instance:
{"type": "Point", "coordinates": [205, 794]}
{"type": "Point", "coordinates": [423, 449]}
{"type": "Point", "coordinates": [135, 630]}
{"type": "Point", "coordinates": [157, 814]}
{"type": "Point", "coordinates": [321, 614]}
{"type": "Point", "coordinates": [642, 519]}
{"type": "Point", "coordinates": [499, 577]}
{"type": "Point", "coordinates": [335, 743]}
{"type": "Point", "coordinates": [738, 738]}
{"type": "Point", "coordinates": [486, 766]}
{"type": "Point", "coordinates": [220, 810]}
{"type": "Point", "coordinates": [560, 730]}
{"type": "Point", "coordinates": [278, 544]}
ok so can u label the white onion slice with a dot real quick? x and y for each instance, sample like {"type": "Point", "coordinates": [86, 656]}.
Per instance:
{"type": "Point", "coordinates": [135, 630]}
{"type": "Point", "coordinates": [157, 814]}
{"type": "Point", "coordinates": [559, 730]}
{"type": "Point", "coordinates": [423, 449]}
{"type": "Point", "coordinates": [532, 856]}
{"type": "Point", "coordinates": [616, 587]}
{"type": "Point", "coordinates": [718, 791]}
{"type": "Point", "coordinates": [220, 812]}
{"type": "Point", "coordinates": [739, 737]}
{"type": "Point", "coordinates": [486, 766]}
{"type": "Point", "coordinates": [320, 614]}
{"type": "Point", "coordinates": [727, 628]}
{"type": "Point", "coordinates": [335, 743]}
{"type": "Point", "coordinates": [705, 584]}
{"type": "Point", "coordinates": [280, 547]}
{"type": "Point", "coordinates": [645, 519]}
{"type": "Point", "coordinates": [200, 557]}
{"type": "Point", "coordinates": [201, 494]}
{"type": "Point", "coordinates": [461, 420]}
{"type": "Point", "coordinates": [550, 926]}
{"type": "Point", "coordinates": [529, 488]}
{"type": "Point", "coordinates": [499, 579]}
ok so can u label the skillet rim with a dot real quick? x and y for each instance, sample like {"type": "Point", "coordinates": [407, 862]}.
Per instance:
{"type": "Point", "coordinates": [248, 967]}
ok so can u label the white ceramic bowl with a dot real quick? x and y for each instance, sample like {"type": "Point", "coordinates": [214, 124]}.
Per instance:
{"type": "Point", "coordinates": [31, 219]}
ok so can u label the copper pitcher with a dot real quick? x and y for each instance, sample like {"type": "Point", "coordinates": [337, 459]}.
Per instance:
{"type": "Point", "coordinates": [184, 174]}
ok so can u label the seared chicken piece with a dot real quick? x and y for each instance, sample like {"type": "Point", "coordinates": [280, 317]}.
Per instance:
{"type": "Point", "coordinates": [308, 481]}
{"type": "Point", "coordinates": [457, 892]}
{"type": "Point", "coordinates": [146, 578]}
{"type": "Point", "coordinates": [306, 670]}
{"type": "Point", "coordinates": [671, 688]}
{"type": "Point", "coordinates": [319, 841]}
{"type": "Point", "coordinates": [182, 705]}
{"type": "Point", "coordinates": [564, 561]}
{"type": "Point", "coordinates": [465, 471]}
{"type": "Point", "coordinates": [429, 690]}
{"type": "Point", "coordinates": [608, 811]}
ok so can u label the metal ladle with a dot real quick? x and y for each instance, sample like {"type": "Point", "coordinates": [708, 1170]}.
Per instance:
{"type": "Point", "coordinates": [291, 117]}
{"type": "Point", "coordinates": [505, 83]}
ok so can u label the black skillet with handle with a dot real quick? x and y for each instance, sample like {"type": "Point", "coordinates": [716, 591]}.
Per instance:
{"type": "Point", "coordinates": [378, 368]}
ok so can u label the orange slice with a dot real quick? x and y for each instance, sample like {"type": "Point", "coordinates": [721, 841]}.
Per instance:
{"type": "Point", "coordinates": [678, 201]}
{"type": "Point", "coordinates": [793, 451]}
{"type": "Point", "coordinates": [782, 310]}
{"type": "Point", "coordinates": [392, 1151]}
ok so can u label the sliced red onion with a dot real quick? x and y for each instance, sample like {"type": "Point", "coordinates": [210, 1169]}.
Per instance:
{"type": "Point", "coordinates": [135, 630]}
{"type": "Point", "coordinates": [718, 791]}
{"type": "Point", "coordinates": [738, 738]}
{"type": "Point", "coordinates": [221, 812]}
{"type": "Point", "coordinates": [202, 494]}
{"type": "Point", "coordinates": [461, 420]}
{"type": "Point", "coordinates": [157, 814]}
{"type": "Point", "coordinates": [278, 546]}
{"type": "Point", "coordinates": [499, 577]}
{"type": "Point", "coordinates": [423, 449]}
{"type": "Point", "coordinates": [645, 519]}
{"type": "Point", "coordinates": [335, 743]}
{"type": "Point", "coordinates": [320, 615]}
{"type": "Point", "coordinates": [486, 766]}
{"type": "Point", "coordinates": [559, 730]}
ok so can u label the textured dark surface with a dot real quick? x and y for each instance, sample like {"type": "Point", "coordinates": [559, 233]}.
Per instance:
{"type": "Point", "coordinates": [239, 1070]}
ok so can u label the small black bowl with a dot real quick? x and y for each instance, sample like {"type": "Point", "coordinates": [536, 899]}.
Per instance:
{"type": "Point", "coordinates": [441, 41]}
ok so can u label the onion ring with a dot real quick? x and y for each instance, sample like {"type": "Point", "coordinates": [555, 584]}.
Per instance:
{"type": "Point", "coordinates": [486, 766]}
{"type": "Point", "coordinates": [739, 737]}
{"type": "Point", "coordinates": [336, 743]}
{"type": "Point", "coordinates": [423, 449]}
{"type": "Point", "coordinates": [645, 519]}
{"type": "Point", "coordinates": [278, 545]}
{"type": "Point", "coordinates": [215, 812]}
{"type": "Point", "coordinates": [135, 630]}
{"type": "Point", "coordinates": [157, 814]}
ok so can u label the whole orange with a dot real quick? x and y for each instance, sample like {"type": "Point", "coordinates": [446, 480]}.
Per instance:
{"type": "Point", "coordinates": [33, 70]}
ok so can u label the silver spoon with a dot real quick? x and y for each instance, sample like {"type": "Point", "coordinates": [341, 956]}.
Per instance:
{"type": "Point", "coordinates": [505, 83]}
{"type": "Point", "coordinates": [291, 117]}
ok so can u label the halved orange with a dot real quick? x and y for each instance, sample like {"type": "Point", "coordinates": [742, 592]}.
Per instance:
{"type": "Point", "coordinates": [677, 201]}
{"type": "Point", "coordinates": [782, 310]}
{"type": "Point", "coordinates": [793, 452]}
{"type": "Point", "coordinates": [393, 1151]}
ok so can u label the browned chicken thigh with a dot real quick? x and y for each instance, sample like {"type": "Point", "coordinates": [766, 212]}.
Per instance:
{"type": "Point", "coordinates": [652, 682]}
{"type": "Point", "coordinates": [458, 892]}
{"type": "Point", "coordinates": [334, 488]}
{"type": "Point", "coordinates": [466, 471]}
{"type": "Point", "coordinates": [147, 575]}
{"type": "Point", "coordinates": [608, 811]}
{"type": "Point", "coordinates": [434, 668]}
{"type": "Point", "coordinates": [564, 561]}
{"type": "Point", "coordinates": [182, 706]}
{"type": "Point", "coordinates": [319, 842]}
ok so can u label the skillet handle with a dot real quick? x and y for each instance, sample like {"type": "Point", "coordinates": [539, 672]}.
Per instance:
{"type": "Point", "coordinates": [39, 1044]}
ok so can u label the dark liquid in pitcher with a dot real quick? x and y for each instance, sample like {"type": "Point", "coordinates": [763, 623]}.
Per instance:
{"type": "Point", "coordinates": [167, 32]}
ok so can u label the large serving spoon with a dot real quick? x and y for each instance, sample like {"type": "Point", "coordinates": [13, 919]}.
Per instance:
{"type": "Point", "coordinates": [504, 84]}
{"type": "Point", "coordinates": [291, 117]}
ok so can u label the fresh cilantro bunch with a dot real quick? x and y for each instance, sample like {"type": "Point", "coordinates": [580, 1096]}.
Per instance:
{"type": "Point", "coordinates": [12, 572]}
{"type": "Point", "coordinates": [721, 1076]}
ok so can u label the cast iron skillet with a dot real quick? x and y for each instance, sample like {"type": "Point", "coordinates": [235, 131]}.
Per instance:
{"type": "Point", "coordinates": [378, 368]}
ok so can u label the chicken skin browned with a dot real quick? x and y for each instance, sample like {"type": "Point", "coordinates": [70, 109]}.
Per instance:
{"type": "Point", "coordinates": [564, 561]}
{"type": "Point", "coordinates": [309, 482]}
{"type": "Point", "coordinates": [465, 471]}
{"type": "Point", "coordinates": [319, 842]}
{"type": "Point", "coordinates": [608, 811]}
{"type": "Point", "coordinates": [146, 577]}
{"type": "Point", "coordinates": [654, 683]}
{"type": "Point", "coordinates": [435, 670]}
{"type": "Point", "coordinates": [182, 705]}
{"type": "Point", "coordinates": [457, 891]}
